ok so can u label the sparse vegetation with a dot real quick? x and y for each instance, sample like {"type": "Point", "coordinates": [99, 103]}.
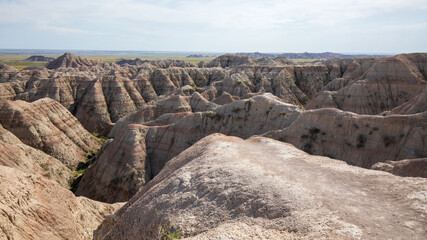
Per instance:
{"type": "Point", "coordinates": [361, 140]}
{"type": "Point", "coordinates": [214, 115]}
{"type": "Point", "coordinates": [389, 140]}
{"type": "Point", "coordinates": [307, 148]}
{"type": "Point", "coordinates": [314, 130]}
{"type": "Point", "coordinates": [304, 136]}
{"type": "Point", "coordinates": [248, 103]}
{"type": "Point", "coordinates": [311, 137]}
{"type": "Point", "coordinates": [100, 138]}
{"type": "Point", "coordinates": [93, 108]}
{"type": "Point", "coordinates": [74, 181]}
{"type": "Point", "coordinates": [168, 231]}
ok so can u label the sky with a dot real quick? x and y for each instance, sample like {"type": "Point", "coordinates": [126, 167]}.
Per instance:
{"type": "Point", "coordinates": [355, 26]}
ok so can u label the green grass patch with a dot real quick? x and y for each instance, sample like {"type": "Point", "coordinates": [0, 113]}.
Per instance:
{"type": "Point", "coordinates": [22, 65]}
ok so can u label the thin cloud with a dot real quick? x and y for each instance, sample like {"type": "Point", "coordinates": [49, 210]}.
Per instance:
{"type": "Point", "coordinates": [249, 22]}
{"type": "Point", "coordinates": [65, 30]}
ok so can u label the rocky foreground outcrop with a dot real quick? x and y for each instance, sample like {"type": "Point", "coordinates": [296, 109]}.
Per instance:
{"type": "Point", "coordinates": [48, 126]}
{"type": "Point", "coordinates": [33, 207]}
{"type": "Point", "coordinates": [227, 188]}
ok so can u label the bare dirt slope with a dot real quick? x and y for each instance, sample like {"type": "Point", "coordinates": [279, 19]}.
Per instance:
{"type": "Point", "coordinates": [48, 126]}
{"type": "Point", "coordinates": [33, 207]}
{"type": "Point", "coordinates": [227, 188]}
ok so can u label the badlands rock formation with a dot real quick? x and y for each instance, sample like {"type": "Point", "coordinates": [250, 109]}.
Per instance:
{"type": "Point", "coordinates": [360, 140]}
{"type": "Point", "coordinates": [138, 152]}
{"type": "Point", "coordinates": [33, 207]}
{"type": "Point", "coordinates": [38, 58]}
{"type": "Point", "coordinates": [417, 104]}
{"type": "Point", "coordinates": [146, 140]}
{"type": "Point", "coordinates": [407, 168]}
{"type": "Point", "coordinates": [366, 112]}
{"type": "Point", "coordinates": [48, 126]}
{"type": "Point", "coordinates": [70, 60]}
{"type": "Point", "coordinates": [99, 93]}
{"type": "Point", "coordinates": [155, 63]}
{"type": "Point", "coordinates": [226, 188]}
{"type": "Point", "coordinates": [16, 154]}
{"type": "Point", "coordinates": [376, 86]}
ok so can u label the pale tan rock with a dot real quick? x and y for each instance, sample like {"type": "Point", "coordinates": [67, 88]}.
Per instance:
{"type": "Point", "coordinates": [33, 207]}
{"type": "Point", "coordinates": [6, 68]}
{"type": "Point", "coordinates": [324, 99]}
{"type": "Point", "coordinates": [230, 60]}
{"type": "Point", "coordinates": [405, 168]}
{"type": "Point", "coordinates": [71, 60]}
{"type": "Point", "coordinates": [48, 126]}
{"type": "Point", "coordinates": [360, 140]}
{"type": "Point", "coordinates": [162, 63]}
{"type": "Point", "coordinates": [16, 154]}
{"type": "Point", "coordinates": [121, 169]}
{"type": "Point", "coordinates": [6, 72]}
{"type": "Point", "coordinates": [147, 113]}
{"type": "Point", "coordinates": [226, 188]}
{"type": "Point", "coordinates": [380, 85]}
{"type": "Point", "coordinates": [225, 98]}
{"type": "Point", "coordinates": [100, 94]}
{"type": "Point", "coordinates": [200, 104]}
{"type": "Point", "coordinates": [139, 152]}
{"type": "Point", "coordinates": [415, 105]}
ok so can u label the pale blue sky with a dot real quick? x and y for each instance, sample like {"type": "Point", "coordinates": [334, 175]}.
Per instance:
{"type": "Point", "coordinates": [362, 26]}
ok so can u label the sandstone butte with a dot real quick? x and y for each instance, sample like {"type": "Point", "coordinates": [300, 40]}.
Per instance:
{"type": "Point", "coordinates": [361, 123]}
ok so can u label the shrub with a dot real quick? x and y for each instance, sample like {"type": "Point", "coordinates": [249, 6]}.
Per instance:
{"type": "Point", "coordinates": [249, 103]}
{"type": "Point", "coordinates": [388, 140]}
{"type": "Point", "coordinates": [361, 140]}
{"type": "Point", "coordinates": [314, 130]}
{"type": "Point", "coordinates": [235, 109]}
{"type": "Point", "coordinates": [169, 232]}
{"type": "Point", "coordinates": [307, 148]}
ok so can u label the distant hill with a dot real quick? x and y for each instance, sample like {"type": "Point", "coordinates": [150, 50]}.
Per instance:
{"type": "Point", "coordinates": [202, 56]}
{"type": "Point", "coordinates": [38, 58]}
{"type": "Point", "coordinates": [307, 55]}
